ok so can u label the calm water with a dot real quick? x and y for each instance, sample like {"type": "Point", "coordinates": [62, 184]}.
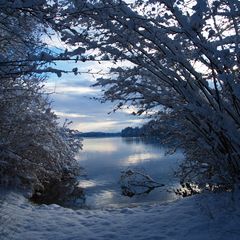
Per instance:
{"type": "Point", "coordinates": [105, 158]}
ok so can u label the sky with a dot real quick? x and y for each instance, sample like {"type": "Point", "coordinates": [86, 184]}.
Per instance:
{"type": "Point", "coordinates": [71, 96]}
{"type": "Point", "coordinates": [72, 99]}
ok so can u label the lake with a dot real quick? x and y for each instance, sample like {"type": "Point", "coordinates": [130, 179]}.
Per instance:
{"type": "Point", "coordinates": [105, 158]}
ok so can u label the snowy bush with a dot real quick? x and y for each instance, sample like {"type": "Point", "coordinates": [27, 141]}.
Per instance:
{"type": "Point", "coordinates": [34, 150]}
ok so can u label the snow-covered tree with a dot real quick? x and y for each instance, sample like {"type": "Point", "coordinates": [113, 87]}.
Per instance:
{"type": "Point", "coordinates": [26, 25]}
{"type": "Point", "coordinates": [180, 60]}
{"type": "Point", "coordinates": [34, 150]}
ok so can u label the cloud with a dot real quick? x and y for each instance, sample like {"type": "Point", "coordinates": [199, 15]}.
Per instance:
{"type": "Point", "coordinates": [97, 126]}
{"type": "Point", "coordinates": [66, 89]}
{"type": "Point", "coordinates": [105, 125]}
{"type": "Point", "coordinates": [71, 115]}
{"type": "Point", "coordinates": [136, 120]}
{"type": "Point", "coordinates": [72, 99]}
{"type": "Point", "coordinates": [90, 115]}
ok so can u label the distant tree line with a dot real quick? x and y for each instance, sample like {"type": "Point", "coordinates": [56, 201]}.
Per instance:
{"type": "Point", "coordinates": [153, 128]}
{"type": "Point", "coordinates": [97, 134]}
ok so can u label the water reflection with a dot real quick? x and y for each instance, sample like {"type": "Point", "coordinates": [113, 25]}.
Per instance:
{"type": "Point", "coordinates": [105, 196]}
{"type": "Point", "coordinates": [105, 158]}
{"type": "Point", "coordinates": [97, 146]}
{"type": "Point", "coordinates": [141, 140]}
{"type": "Point", "coordinates": [140, 157]}
{"type": "Point", "coordinates": [87, 184]}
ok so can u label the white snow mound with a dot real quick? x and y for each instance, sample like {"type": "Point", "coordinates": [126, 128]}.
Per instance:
{"type": "Point", "coordinates": [202, 217]}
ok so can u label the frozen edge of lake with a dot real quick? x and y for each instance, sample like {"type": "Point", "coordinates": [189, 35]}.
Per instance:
{"type": "Point", "coordinates": [207, 216]}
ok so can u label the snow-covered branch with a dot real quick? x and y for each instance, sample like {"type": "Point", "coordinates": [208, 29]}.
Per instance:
{"type": "Point", "coordinates": [185, 66]}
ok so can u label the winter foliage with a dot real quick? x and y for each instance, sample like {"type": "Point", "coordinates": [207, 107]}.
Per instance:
{"type": "Point", "coordinates": [182, 66]}
{"type": "Point", "coordinates": [34, 150]}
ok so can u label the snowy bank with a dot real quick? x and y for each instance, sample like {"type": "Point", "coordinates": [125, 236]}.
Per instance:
{"type": "Point", "coordinates": [209, 216]}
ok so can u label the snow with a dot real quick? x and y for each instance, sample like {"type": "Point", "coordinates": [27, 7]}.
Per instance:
{"type": "Point", "coordinates": [207, 216]}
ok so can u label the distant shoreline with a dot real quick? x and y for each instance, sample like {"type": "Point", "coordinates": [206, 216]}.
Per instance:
{"type": "Point", "coordinates": [98, 134]}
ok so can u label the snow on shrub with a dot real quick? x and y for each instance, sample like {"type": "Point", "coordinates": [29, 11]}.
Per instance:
{"type": "Point", "coordinates": [181, 63]}
{"type": "Point", "coordinates": [34, 150]}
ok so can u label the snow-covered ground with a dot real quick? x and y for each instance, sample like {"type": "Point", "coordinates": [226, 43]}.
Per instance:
{"type": "Point", "coordinates": [202, 217]}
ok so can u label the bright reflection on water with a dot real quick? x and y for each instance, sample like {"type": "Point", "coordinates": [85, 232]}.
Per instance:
{"type": "Point", "coordinates": [140, 157]}
{"type": "Point", "coordinates": [97, 146]}
{"type": "Point", "coordinates": [105, 158]}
